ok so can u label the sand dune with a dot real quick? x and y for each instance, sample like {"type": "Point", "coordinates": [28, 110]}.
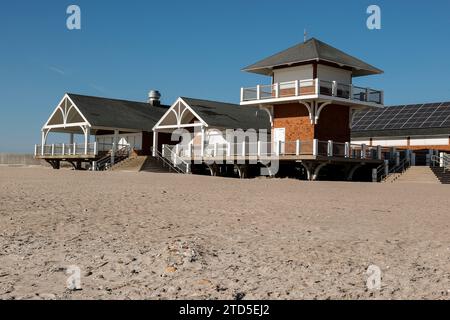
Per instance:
{"type": "Point", "coordinates": [166, 236]}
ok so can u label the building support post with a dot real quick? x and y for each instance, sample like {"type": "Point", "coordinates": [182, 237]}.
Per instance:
{"type": "Point", "coordinates": [202, 146]}
{"type": "Point", "coordinates": [379, 155]}
{"type": "Point", "coordinates": [330, 148]}
{"type": "Point", "coordinates": [347, 150]}
{"type": "Point", "coordinates": [315, 147]}
{"type": "Point", "coordinates": [374, 175]}
{"type": "Point", "coordinates": [386, 168]}
{"type": "Point", "coordinates": [114, 146]}
{"type": "Point", "coordinates": [43, 136]}
{"type": "Point", "coordinates": [87, 136]}
{"type": "Point", "coordinates": [363, 151]}
{"type": "Point", "coordinates": [297, 147]}
{"type": "Point", "coordinates": [155, 143]}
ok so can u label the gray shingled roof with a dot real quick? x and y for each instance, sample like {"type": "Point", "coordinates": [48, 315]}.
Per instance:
{"type": "Point", "coordinates": [229, 116]}
{"type": "Point", "coordinates": [113, 113]}
{"type": "Point", "coordinates": [312, 50]}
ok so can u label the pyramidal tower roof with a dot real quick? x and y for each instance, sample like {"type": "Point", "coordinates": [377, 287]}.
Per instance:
{"type": "Point", "coordinates": [312, 50]}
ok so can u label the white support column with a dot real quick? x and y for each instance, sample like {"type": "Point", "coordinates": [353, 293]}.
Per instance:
{"type": "Point", "coordinates": [114, 146]}
{"type": "Point", "coordinates": [202, 146]}
{"type": "Point", "coordinates": [87, 136]}
{"type": "Point", "coordinates": [35, 150]}
{"type": "Point", "coordinates": [259, 148]}
{"type": "Point", "coordinates": [258, 92]}
{"type": "Point", "coordinates": [155, 143]}
{"type": "Point", "coordinates": [297, 88]}
{"type": "Point", "coordinates": [216, 149]}
{"type": "Point", "coordinates": [363, 151]}
{"type": "Point", "coordinates": [190, 149]}
{"type": "Point", "coordinates": [228, 149]}
{"type": "Point", "coordinates": [74, 146]}
{"type": "Point", "coordinates": [297, 147]}
{"type": "Point", "coordinates": [441, 159]}
{"type": "Point", "coordinates": [71, 138]}
{"type": "Point", "coordinates": [330, 148]}
{"type": "Point", "coordinates": [95, 148]}
{"type": "Point", "coordinates": [379, 155]}
{"type": "Point", "coordinates": [42, 142]}
{"type": "Point", "coordinates": [315, 147]}
{"type": "Point", "coordinates": [53, 150]}
{"type": "Point", "coordinates": [63, 149]}
{"type": "Point", "coordinates": [242, 94]}
{"type": "Point", "coordinates": [334, 88]}
{"type": "Point", "coordinates": [347, 149]}
{"type": "Point", "coordinates": [277, 90]}
{"type": "Point", "coordinates": [243, 148]}
{"type": "Point", "coordinates": [277, 148]}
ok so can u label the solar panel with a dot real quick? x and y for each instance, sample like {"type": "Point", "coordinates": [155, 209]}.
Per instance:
{"type": "Point", "coordinates": [431, 115]}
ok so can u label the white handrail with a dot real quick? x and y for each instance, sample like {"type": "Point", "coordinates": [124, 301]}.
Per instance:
{"type": "Point", "coordinates": [318, 87]}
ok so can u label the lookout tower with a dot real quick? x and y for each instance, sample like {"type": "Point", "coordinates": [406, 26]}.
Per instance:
{"type": "Point", "coordinates": [312, 95]}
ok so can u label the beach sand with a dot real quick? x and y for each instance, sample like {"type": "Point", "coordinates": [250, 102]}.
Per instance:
{"type": "Point", "coordinates": [167, 236]}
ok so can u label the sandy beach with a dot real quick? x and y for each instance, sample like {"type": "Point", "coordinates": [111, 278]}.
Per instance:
{"type": "Point", "coordinates": [167, 236]}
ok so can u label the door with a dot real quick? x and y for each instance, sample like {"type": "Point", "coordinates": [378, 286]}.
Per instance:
{"type": "Point", "coordinates": [280, 137]}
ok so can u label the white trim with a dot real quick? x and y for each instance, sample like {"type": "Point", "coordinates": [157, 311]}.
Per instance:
{"type": "Point", "coordinates": [65, 113]}
{"type": "Point", "coordinates": [178, 116]}
{"type": "Point", "coordinates": [62, 126]}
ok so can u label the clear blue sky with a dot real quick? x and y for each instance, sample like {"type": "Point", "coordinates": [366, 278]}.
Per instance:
{"type": "Point", "coordinates": [197, 48]}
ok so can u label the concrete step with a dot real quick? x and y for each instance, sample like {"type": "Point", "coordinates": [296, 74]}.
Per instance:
{"type": "Point", "coordinates": [443, 176]}
{"type": "Point", "coordinates": [418, 175]}
{"type": "Point", "coordinates": [152, 165]}
{"type": "Point", "coordinates": [132, 164]}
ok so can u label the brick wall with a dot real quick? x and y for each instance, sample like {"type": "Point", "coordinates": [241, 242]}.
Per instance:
{"type": "Point", "coordinates": [333, 123]}
{"type": "Point", "coordinates": [295, 118]}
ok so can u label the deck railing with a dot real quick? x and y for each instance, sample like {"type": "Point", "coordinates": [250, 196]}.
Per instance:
{"type": "Point", "coordinates": [66, 149]}
{"type": "Point", "coordinates": [261, 149]}
{"type": "Point", "coordinates": [312, 87]}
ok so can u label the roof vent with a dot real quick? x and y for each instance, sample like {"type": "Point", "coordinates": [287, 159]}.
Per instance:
{"type": "Point", "coordinates": [154, 98]}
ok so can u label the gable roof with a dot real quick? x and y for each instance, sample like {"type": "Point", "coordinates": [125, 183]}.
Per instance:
{"type": "Point", "coordinates": [114, 113]}
{"type": "Point", "coordinates": [229, 116]}
{"type": "Point", "coordinates": [312, 50]}
{"type": "Point", "coordinates": [405, 120]}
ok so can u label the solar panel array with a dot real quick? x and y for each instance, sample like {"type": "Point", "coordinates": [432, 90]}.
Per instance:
{"type": "Point", "coordinates": [417, 116]}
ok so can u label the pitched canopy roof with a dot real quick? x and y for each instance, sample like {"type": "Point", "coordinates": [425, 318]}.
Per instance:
{"type": "Point", "coordinates": [312, 50]}
{"type": "Point", "coordinates": [213, 114]}
{"type": "Point", "coordinates": [114, 113]}
{"type": "Point", "coordinates": [405, 120]}
{"type": "Point", "coordinates": [228, 115]}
